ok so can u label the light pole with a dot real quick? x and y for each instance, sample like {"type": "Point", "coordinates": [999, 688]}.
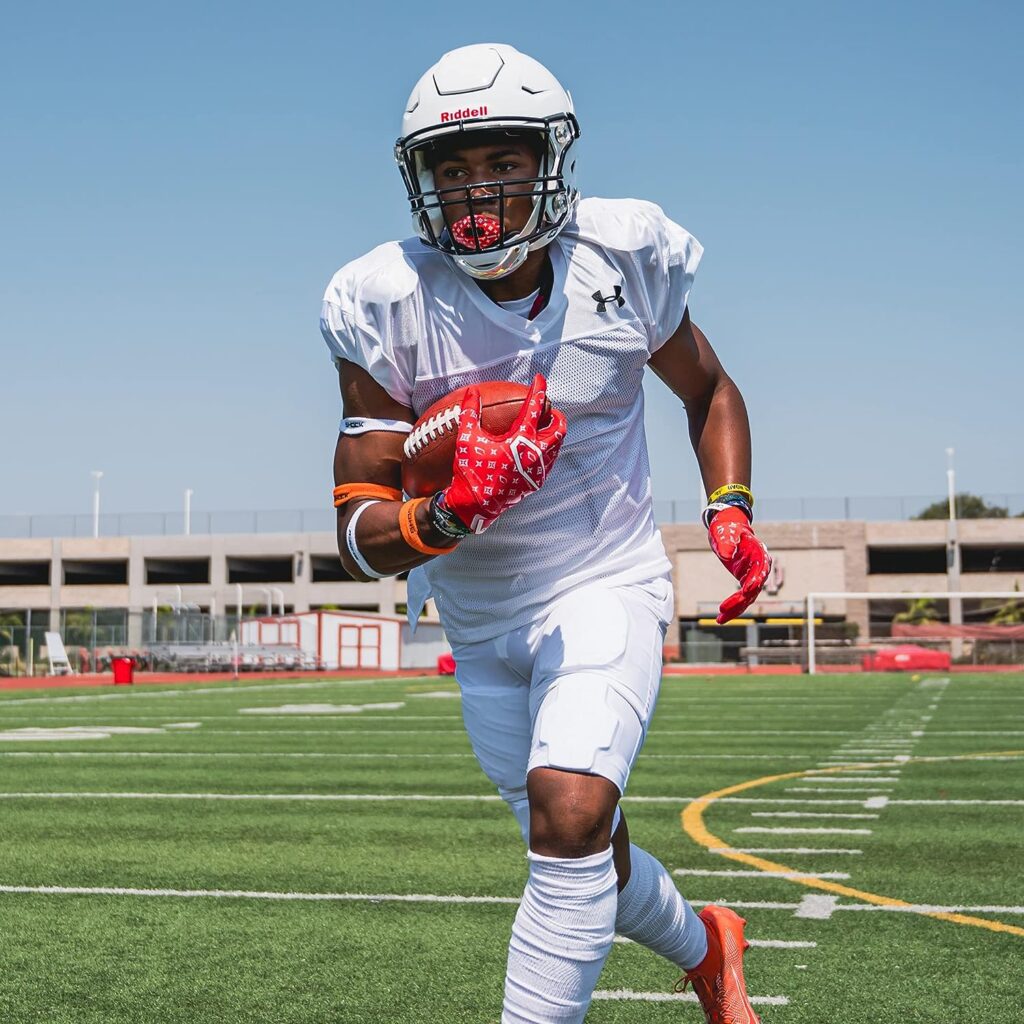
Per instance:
{"type": "Point", "coordinates": [97, 475]}
{"type": "Point", "coordinates": [188, 510]}
{"type": "Point", "coordinates": [956, 608]}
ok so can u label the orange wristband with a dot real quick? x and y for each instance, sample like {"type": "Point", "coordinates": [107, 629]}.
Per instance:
{"type": "Point", "coordinates": [344, 493]}
{"type": "Point", "coordinates": [410, 531]}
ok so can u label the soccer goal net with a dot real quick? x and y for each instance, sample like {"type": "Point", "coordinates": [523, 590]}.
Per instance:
{"type": "Point", "coordinates": [850, 631]}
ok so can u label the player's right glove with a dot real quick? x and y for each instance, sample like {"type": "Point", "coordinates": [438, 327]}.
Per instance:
{"type": "Point", "coordinates": [492, 473]}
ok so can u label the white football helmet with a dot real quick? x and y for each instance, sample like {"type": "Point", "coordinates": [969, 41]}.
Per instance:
{"type": "Point", "coordinates": [489, 86]}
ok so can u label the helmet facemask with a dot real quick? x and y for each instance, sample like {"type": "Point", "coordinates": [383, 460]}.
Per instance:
{"type": "Point", "coordinates": [477, 241]}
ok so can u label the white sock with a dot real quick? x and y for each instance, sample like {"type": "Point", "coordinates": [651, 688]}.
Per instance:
{"type": "Point", "coordinates": [560, 940]}
{"type": "Point", "coordinates": [652, 912]}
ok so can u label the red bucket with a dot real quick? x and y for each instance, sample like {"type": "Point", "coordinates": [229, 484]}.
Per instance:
{"type": "Point", "coordinates": [124, 670]}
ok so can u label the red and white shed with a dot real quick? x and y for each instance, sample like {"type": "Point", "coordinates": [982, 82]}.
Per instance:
{"type": "Point", "coordinates": [341, 639]}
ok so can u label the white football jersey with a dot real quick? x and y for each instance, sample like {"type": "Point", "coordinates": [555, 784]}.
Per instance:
{"type": "Point", "coordinates": [421, 328]}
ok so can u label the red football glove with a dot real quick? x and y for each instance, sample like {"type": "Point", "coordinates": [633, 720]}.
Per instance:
{"type": "Point", "coordinates": [491, 474]}
{"type": "Point", "coordinates": [733, 540]}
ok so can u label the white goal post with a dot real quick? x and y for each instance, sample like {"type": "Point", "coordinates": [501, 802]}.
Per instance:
{"type": "Point", "coordinates": [816, 601]}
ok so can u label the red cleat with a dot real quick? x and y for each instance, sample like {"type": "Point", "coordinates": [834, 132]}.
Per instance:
{"type": "Point", "coordinates": [718, 979]}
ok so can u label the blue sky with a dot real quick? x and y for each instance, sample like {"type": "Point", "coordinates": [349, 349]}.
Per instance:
{"type": "Point", "coordinates": [180, 181]}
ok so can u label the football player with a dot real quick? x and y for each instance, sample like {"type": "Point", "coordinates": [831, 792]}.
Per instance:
{"type": "Point", "coordinates": [542, 555]}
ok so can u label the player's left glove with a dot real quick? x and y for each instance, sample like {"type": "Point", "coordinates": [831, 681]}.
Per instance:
{"type": "Point", "coordinates": [732, 539]}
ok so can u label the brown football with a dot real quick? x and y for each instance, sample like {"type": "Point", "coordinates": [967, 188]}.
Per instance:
{"type": "Point", "coordinates": [430, 448]}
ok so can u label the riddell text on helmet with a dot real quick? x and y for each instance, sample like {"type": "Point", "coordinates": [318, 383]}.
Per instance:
{"type": "Point", "coordinates": [458, 115]}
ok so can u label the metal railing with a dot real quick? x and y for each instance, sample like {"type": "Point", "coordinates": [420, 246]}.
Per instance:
{"type": "Point", "coordinates": [666, 510]}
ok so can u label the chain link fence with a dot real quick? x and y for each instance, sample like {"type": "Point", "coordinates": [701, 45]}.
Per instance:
{"type": "Point", "coordinates": [666, 510]}
{"type": "Point", "coordinates": [172, 639]}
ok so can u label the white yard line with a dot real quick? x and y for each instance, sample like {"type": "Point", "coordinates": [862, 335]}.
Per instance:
{"type": "Point", "coordinates": [959, 803]}
{"type": "Point", "coordinates": [788, 831]}
{"type": "Point", "coordinates": [242, 894]}
{"type": "Point", "coordinates": [222, 753]}
{"type": "Point", "coordinates": [781, 849]}
{"type": "Point", "coordinates": [781, 944]}
{"type": "Point", "coordinates": [808, 814]}
{"type": "Point", "coordinates": [272, 797]}
{"type": "Point", "coordinates": [628, 994]}
{"type": "Point", "coordinates": [806, 904]}
{"type": "Point", "coordinates": [224, 690]}
{"type": "Point", "coordinates": [844, 780]}
{"type": "Point", "coordinates": [335, 754]}
{"type": "Point", "coordinates": [621, 940]}
{"type": "Point", "coordinates": [867, 789]}
{"type": "Point", "coordinates": [362, 733]}
{"type": "Point", "coordinates": [122, 795]}
{"type": "Point", "coordinates": [707, 873]}
{"type": "Point", "coordinates": [339, 719]}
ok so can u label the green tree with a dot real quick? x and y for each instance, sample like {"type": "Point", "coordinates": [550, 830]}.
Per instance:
{"type": "Point", "coordinates": [8, 623]}
{"type": "Point", "coordinates": [968, 506]}
{"type": "Point", "coordinates": [1011, 613]}
{"type": "Point", "coordinates": [918, 611]}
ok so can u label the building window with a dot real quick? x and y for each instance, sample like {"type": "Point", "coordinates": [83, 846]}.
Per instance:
{"type": "Point", "coordinates": [260, 570]}
{"type": "Point", "coordinates": [95, 572]}
{"type": "Point", "coordinates": [24, 574]}
{"type": "Point", "coordinates": [177, 570]}
{"type": "Point", "coordinates": [913, 560]}
{"type": "Point", "coordinates": [1007, 558]}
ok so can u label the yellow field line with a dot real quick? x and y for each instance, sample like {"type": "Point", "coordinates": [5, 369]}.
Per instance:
{"type": "Point", "coordinates": [693, 826]}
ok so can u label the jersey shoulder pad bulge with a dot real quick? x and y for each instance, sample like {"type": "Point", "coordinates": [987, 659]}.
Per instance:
{"type": "Point", "coordinates": [371, 312]}
{"type": "Point", "coordinates": [657, 253]}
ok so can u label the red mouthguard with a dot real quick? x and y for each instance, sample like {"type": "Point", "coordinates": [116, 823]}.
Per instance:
{"type": "Point", "coordinates": [477, 231]}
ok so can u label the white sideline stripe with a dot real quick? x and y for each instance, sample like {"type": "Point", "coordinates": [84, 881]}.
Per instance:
{"type": "Point", "coordinates": [876, 803]}
{"type": "Point", "coordinates": [617, 994]}
{"type": "Point", "coordinates": [779, 849]}
{"type": "Point", "coordinates": [787, 831]}
{"type": "Point", "coordinates": [807, 814]}
{"type": "Point", "coordinates": [706, 873]}
{"type": "Point", "coordinates": [241, 894]}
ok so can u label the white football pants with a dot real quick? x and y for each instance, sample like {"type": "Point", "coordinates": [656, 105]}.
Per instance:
{"type": "Point", "coordinates": [573, 690]}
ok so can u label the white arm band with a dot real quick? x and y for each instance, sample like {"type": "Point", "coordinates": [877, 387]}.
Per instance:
{"type": "Point", "coordinates": [363, 425]}
{"type": "Point", "coordinates": [353, 547]}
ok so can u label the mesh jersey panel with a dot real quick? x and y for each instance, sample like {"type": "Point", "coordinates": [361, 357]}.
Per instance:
{"type": "Point", "coordinates": [593, 517]}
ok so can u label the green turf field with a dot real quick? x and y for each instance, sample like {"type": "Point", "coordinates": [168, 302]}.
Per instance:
{"type": "Point", "coordinates": [285, 905]}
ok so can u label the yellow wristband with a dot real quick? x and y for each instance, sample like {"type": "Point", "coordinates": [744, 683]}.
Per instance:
{"type": "Point", "coordinates": [740, 489]}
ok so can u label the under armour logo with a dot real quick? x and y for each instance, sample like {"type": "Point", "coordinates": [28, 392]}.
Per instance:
{"type": "Point", "coordinates": [603, 300]}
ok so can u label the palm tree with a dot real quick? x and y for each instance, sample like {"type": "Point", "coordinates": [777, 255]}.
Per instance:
{"type": "Point", "coordinates": [1011, 613]}
{"type": "Point", "coordinates": [918, 611]}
